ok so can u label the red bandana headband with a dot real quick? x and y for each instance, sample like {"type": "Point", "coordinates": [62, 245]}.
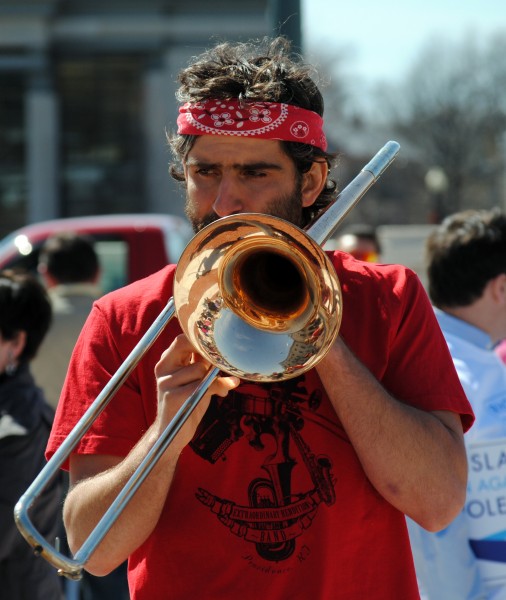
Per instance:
{"type": "Point", "coordinates": [267, 120]}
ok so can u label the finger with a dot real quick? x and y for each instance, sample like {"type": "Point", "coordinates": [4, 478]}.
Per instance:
{"type": "Point", "coordinates": [222, 385]}
{"type": "Point", "coordinates": [191, 373]}
{"type": "Point", "coordinates": [179, 354]}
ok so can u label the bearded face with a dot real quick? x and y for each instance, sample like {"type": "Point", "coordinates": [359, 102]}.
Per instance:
{"type": "Point", "coordinates": [287, 207]}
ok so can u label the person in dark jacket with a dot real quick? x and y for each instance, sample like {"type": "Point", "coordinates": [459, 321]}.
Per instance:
{"type": "Point", "coordinates": [25, 421]}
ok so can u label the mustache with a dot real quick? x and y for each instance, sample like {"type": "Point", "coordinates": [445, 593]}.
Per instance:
{"type": "Point", "coordinates": [205, 221]}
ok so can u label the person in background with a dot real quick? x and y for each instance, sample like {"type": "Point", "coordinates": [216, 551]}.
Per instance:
{"type": "Point", "coordinates": [70, 269]}
{"type": "Point", "coordinates": [466, 266]}
{"type": "Point", "coordinates": [25, 422]}
{"type": "Point", "coordinates": [361, 241]}
{"type": "Point", "coordinates": [290, 489]}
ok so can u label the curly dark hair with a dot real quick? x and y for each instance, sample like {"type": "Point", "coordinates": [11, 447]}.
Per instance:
{"type": "Point", "coordinates": [465, 252]}
{"type": "Point", "coordinates": [264, 70]}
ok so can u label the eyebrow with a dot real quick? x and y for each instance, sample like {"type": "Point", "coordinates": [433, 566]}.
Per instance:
{"type": "Point", "coordinates": [249, 166]}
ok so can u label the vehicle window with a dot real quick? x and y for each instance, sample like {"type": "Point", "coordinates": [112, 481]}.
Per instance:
{"type": "Point", "coordinates": [113, 258]}
{"type": "Point", "coordinates": [6, 243]}
{"type": "Point", "coordinates": [176, 241]}
{"type": "Point", "coordinates": [112, 253]}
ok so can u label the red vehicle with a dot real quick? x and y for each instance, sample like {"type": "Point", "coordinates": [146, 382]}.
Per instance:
{"type": "Point", "coordinates": [130, 246]}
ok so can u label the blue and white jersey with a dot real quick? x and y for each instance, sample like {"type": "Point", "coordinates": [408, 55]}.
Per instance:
{"type": "Point", "coordinates": [467, 560]}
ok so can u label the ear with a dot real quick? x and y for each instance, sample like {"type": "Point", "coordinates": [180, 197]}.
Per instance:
{"type": "Point", "coordinates": [46, 277]}
{"type": "Point", "coordinates": [313, 182]}
{"type": "Point", "coordinates": [18, 344]}
{"type": "Point", "coordinates": [497, 287]}
{"type": "Point", "coordinates": [96, 279]}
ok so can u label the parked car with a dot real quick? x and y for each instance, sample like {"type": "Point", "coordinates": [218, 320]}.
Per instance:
{"type": "Point", "coordinates": [130, 246]}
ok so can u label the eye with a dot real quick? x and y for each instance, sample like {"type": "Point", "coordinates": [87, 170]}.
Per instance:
{"type": "Point", "coordinates": [254, 173]}
{"type": "Point", "coordinates": [204, 171]}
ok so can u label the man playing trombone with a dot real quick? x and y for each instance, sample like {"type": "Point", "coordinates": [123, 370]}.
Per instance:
{"type": "Point", "coordinates": [295, 488]}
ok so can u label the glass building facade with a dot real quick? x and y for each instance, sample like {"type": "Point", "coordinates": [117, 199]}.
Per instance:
{"type": "Point", "coordinates": [87, 98]}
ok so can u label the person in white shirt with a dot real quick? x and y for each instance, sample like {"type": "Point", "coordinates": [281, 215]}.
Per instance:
{"type": "Point", "coordinates": [466, 260]}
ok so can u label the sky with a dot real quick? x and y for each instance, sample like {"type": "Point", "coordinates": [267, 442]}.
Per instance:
{"type": "Point", "coordinates": [383, 37]}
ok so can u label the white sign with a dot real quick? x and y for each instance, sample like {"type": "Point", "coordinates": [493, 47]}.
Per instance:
{"type": "Point", "coordinates": [486, 507]}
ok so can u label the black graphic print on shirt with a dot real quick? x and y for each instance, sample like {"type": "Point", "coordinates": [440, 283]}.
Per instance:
{"type": "Point", "coordinates": [276, 514]}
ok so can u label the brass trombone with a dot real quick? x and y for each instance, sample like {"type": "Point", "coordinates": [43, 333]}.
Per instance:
{"type": "Point", "coordinates": [231, 301]}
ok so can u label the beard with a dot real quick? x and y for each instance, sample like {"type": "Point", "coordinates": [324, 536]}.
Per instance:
{"type": "Point", "coordinates": [287, 207]}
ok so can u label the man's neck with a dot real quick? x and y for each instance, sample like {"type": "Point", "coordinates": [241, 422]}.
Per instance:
{"type": "Point", "coordinates": [480, 315]}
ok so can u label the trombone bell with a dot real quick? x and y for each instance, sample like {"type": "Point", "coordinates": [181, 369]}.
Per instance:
{"type": "Point", "coordinates": [258, 297]}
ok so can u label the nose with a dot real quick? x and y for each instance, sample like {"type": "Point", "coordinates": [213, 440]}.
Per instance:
{"type": "Point", "coordinates": [228, 200]}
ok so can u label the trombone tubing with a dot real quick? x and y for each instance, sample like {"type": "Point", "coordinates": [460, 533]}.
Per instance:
{"type": "Point", "coordinates": [327, 223]}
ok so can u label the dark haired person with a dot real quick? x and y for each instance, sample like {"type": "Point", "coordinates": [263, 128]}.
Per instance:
{"type": "Point", "coordinates": [466, 267]}
{"type": "Point", "coordinates": [25, 422]}
{"type": "Point", "coordinates": [293, 489]}
{"type": "Point", "coordinates": [70, 269]}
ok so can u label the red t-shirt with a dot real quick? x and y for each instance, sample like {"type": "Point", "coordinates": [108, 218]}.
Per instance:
{"type": "Point", "coordinates": [270, 499]}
